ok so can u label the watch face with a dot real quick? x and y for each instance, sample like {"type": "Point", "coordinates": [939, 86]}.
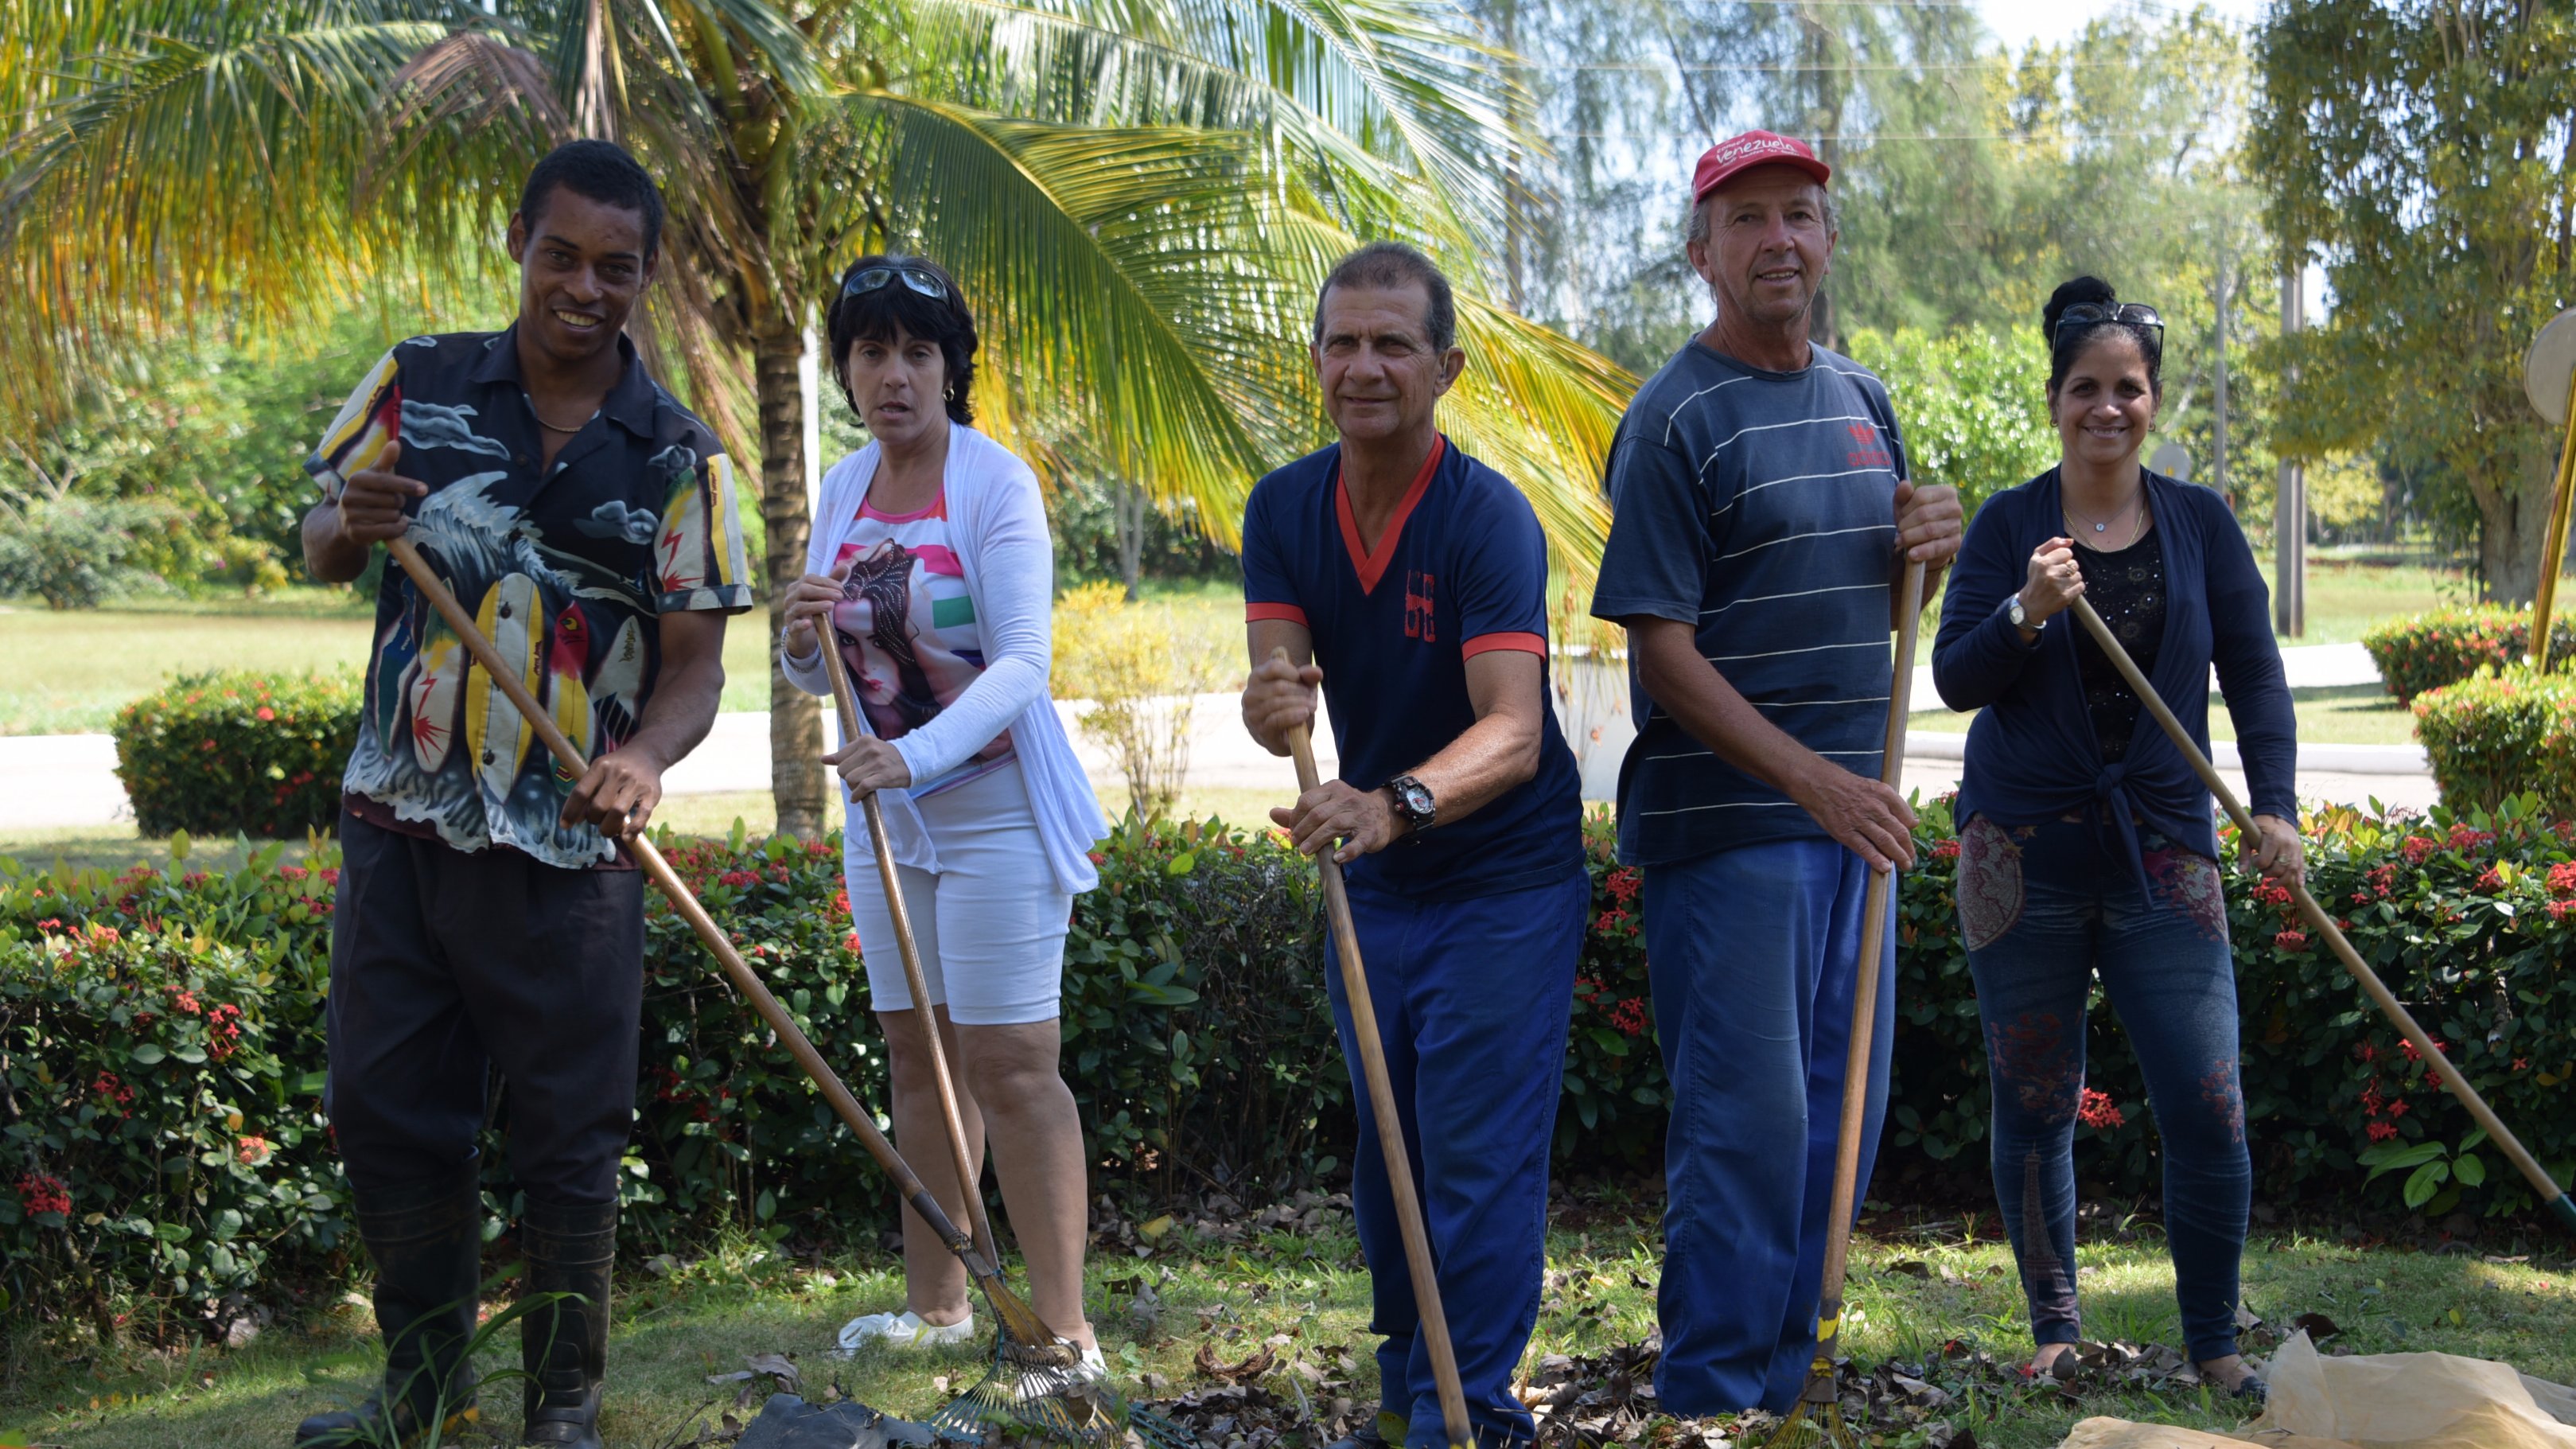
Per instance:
{"type": "Point", "coordinates": [1416, 799]}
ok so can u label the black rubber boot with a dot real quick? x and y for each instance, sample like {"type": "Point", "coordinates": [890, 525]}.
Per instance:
{"type": "Point", "coordinates": [563, 1344]}
{"type": "Point", "coordinates": [427, 1242]}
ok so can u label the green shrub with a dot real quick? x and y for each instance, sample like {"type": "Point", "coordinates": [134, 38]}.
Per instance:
{"type": "Point", "coordinates": [2495, 736]}
{"type": "Point", "coordinates": [238, 753]}
{"type": "Point", "coordinates": [1198, 1044]}
{"type": "Point", "coordinates": [2444, 646]}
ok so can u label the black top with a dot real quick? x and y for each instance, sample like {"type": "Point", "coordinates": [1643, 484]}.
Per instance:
{"type": "Point", "coordinates": [2127, 587]}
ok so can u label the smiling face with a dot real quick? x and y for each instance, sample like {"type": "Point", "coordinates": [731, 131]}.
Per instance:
{"type": "Point", "coordinates": [1382, 377]}
{"type": "Point", "coordinates": [581, 268]}
{"type": "Point", "coordinates": [1769, 246]}
{"type": "Point", "coordinates": [898, 383]}
{"type": "Point", "coordinates": [2106, 403]}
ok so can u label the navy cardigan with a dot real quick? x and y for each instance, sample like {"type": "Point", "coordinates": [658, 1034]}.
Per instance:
{"type": "Point", "coordinates": [2032, 756]}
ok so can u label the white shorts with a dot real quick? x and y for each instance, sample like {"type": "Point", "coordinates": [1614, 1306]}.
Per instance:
{"type": "Point", "coordinates": [990, 923]}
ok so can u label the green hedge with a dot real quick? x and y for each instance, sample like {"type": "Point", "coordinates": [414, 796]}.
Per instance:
{"type": "Point", "coordinates": [2444, 646]}
{"type": "Point", "coordinates": [2498, 735]}
{"type": "Point", "coordinates": [160, 1048]}
{"type": "Point", "coordinates": [238, 753]}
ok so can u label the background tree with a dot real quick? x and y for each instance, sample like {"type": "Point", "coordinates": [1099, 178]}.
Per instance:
{"type": "Point", "coordinates": [1139, 199]}
{"type": "Point", "coordinates": [2424, 147]}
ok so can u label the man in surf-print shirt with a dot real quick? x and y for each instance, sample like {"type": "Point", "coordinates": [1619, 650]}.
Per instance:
{"type": "Point", "coordinates": [485, 916]}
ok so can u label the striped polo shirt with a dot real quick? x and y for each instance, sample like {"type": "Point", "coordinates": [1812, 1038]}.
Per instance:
{"type": "Point", "coordinates": [1759, 506]}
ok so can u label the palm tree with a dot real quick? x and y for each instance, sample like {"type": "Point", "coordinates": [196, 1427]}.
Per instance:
{"type": "Point", "coordinates": [1139, 195]}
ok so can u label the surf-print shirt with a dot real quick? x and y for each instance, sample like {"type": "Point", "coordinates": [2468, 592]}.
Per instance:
{"type": "Point", "coordinates": [564, 569]}
{"type": "Point", "coordinates": [907, 629]}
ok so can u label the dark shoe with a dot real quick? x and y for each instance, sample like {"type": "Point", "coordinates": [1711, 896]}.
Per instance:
{"type": "Point", "coordinates": [427, 1242]}
{"type": "Point", "coordinates": [563, 1343]}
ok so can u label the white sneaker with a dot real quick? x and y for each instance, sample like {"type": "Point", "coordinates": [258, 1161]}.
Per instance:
{"type": "Point", "coordinates": [1094, 1364]}
{"type": "Point", "coordinates": [902, 1330]}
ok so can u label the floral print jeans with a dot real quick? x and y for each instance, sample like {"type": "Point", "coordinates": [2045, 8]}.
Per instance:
{"type": "Point", "coordinates": [2043, 908]}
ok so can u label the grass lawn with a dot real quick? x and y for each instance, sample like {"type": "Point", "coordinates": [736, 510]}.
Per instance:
{"type": "Point", "coordinates": [69, 673]}
{"type": "Point", "coordinates": [1305, 1296]}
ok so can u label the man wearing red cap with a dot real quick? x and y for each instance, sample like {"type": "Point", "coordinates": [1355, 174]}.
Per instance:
{"type": "Point", "coordinates": [1762, 519]}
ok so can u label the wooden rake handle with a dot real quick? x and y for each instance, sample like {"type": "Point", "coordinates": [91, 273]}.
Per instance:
{"type": "Point", "coordinates": [737, 970]}
{"type": "Point", "coordinates": [2551, 1195]}
{"type": "Point", "coordinates": [1390, 1126]}
{"type": "Point", "coordinates": [1864, 1022]}
{"type": "Point", "coordinates": [969, 1178]}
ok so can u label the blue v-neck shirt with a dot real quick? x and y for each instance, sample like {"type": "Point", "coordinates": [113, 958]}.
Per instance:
{"type": "Point", "coordinates": [1461, 569]}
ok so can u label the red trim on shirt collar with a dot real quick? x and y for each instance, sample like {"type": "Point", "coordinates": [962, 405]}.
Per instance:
{"type": "Point", "coordinates": [1526, 643]}
{"type": "Point", "coordinates": [1372, 566]}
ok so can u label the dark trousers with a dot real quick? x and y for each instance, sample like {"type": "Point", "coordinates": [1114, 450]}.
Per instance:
{"type": "Point", "coordinates": [1753, 955]}
{"type": "Point", "coordinates": [1472, 999]}
{"type": "Point", "coordinates": [2043, 909]}
{"type": "Point", "coordinates": [445, 962]}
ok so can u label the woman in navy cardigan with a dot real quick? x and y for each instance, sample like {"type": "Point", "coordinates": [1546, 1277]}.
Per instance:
{"type": "Point", "coordinates": [2086, 841]}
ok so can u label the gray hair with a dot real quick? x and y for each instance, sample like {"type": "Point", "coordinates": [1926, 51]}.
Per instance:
{"type": "Point", "coordinates": [1695, 220]}
{"type": "Point", "coordinates": [1386, 265]}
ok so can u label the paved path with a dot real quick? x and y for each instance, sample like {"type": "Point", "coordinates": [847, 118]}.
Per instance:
{"type": "Point", "coordinates": [53, 781]}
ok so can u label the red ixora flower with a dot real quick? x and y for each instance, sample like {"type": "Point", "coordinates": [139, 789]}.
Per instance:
{"type": "Point", "coordinates": [2381, 1131]}
{"type": "Point", "coordinates": [2419, 848]}
{"type": "Point", "coordinates": [1946, 850]}
{"type": "Point", "coordinates": [739, 878]}
{"type": "Point", "coordinates": [264, 714]}
{"type": "Point", "coordinates": [254, 1151]}
{"type": "Point", "coordinates": [2099, 1112]}
{"type": "Point", "coordinates": [40, 1193]}
{"type": "Point", "coordinates": [2465, 838]}
{"type": "Point", "coordinates": [2489, 881]}
{"type": "Point", "coordinates": [1623, 884]}
{"type": "Point", "coordinates": [2562, 878]}
{"type": "Point", "coordinates": [2291, 940]}
{"type": "Point", "coordinates": [1629, 1016]}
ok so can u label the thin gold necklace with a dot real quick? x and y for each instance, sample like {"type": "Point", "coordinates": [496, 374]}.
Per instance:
{"type": "Point", "coordinates": [556, 427]}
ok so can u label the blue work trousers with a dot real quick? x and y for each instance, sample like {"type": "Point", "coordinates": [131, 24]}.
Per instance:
{"type": "Point", "coordinates": [1472, 1000]}
{"type": "Point", "coordinates": [1751, 954]}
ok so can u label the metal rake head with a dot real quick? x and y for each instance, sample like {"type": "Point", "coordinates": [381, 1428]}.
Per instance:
{"type": "Point", "coordinates": [1046, 1390]}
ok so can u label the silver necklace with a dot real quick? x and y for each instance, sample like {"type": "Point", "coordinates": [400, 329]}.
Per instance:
{"type": "Point", "coordinates": [2131, 507]}
{"type": "Point", "coordinates": [557, 427]}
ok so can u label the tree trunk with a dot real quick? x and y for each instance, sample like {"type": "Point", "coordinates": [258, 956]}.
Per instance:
{"type": "Point", "coordinates": [1127, 518]}
{"type": "Point", "coordinates": [795, 717]}
{"type": "Point", "coordinates": [2513, 527]}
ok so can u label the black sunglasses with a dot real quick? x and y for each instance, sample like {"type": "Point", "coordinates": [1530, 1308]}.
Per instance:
{"type": "Point", "coordinates": [2127, 314]}
{"type": "Point", "coordinates": [920, 279]}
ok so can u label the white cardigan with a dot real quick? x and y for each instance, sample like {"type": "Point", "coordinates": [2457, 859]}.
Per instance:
{"type": "Point", "coordinates": [999, 531]}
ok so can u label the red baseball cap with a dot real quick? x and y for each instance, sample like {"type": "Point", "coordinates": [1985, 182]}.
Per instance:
{"type": "Point", "coordinates": [1754, 148]}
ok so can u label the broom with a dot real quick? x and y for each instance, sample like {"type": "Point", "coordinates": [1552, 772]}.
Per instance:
{"type": "Point", "coordinates": [1020, 1324]}
{"type": "Point", "coordinates": [1390, 1127]}
{"type": "Point", "coordinates": [2551, 1195]}
{"type": "Point", "coordinates": [1819, 1406]}
{"type": "Point", "coordinates": [1036, 1382]}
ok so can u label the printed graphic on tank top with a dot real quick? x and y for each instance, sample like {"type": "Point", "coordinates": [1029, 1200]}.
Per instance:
{"type": "Point", "coordinates": [907, 629]}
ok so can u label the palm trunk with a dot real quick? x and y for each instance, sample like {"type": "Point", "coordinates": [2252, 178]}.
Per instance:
{"type": "Point", "coordinates": [795, 717]}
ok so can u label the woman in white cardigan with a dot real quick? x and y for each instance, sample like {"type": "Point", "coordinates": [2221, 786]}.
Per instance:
{"type": "Point", "coordinates": [930, 558]}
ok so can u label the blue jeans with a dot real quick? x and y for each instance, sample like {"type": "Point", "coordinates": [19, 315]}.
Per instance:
{"type": "Point", "coordinates": [2043, 908]}
{"type": "Point", "coordinates": [1472, 1001]}
{"type": "Point", "coordinates": [1752, 954]}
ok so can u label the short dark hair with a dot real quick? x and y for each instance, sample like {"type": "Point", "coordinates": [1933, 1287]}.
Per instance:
{"type": "Point", "coordinates": [2064, 349]}
{"type": "Point", "coordinates": [877, 314]}
{"type": "Point", "coordinates": [601, 171]}
{"type": "Point", "coordinates": [1387, 265]}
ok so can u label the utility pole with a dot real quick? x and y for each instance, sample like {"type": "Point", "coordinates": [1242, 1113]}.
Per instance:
{"type": "Point", "coordinates": [2290, 499]}
{"type": "Point", "coordinates": [2218, 416]}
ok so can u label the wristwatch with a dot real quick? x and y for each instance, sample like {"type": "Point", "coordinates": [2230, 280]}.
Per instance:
{"type": "Point", "coordinates": [2012, 606]}
{"type": "Point", "coordinates": [1413, 801]}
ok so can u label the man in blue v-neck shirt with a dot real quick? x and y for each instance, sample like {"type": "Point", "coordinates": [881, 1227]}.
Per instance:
{"type": "Point", "coordinates": [1410, 581]}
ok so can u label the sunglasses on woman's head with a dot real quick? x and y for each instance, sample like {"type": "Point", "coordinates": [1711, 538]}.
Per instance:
{"type": "Point", "coordinates": [920, 279]}
{"type": "Point", "coordinates": [2127, 314]}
